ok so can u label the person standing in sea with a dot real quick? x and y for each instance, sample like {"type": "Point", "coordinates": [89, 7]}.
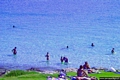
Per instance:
{"type": "Point", "coordinates": [47, 56]}
{"type": "Point", "coordinates": [14, 51]}
{"type": "Point", "coordinates": [61, 59]}
{"type": "Point", "coordinates": [112, 51]}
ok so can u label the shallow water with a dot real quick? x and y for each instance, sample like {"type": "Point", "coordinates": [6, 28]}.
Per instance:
{"type": "Point", "coordinates": [52, 29]}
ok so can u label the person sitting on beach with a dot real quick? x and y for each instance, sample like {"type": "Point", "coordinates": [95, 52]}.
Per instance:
{"type": "Point", "coordinates": [14, 51]}
{"type": "Point", "coordinates": [62, 74]}
{"type": "Point", "coordinates": [81, 72]}
{"type": "Point", "coordinates": [112, 51]}
{"type": "Point", "coordinates": [47, 56]}
{"type": "Point", "coordinates": [87, 67]}
{"type": "Point", "coordinates": [83, 75]}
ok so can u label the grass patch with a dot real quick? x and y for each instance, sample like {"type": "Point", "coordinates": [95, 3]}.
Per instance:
{"type": "Point", "coordinates": [18, 73]}
{"type": "Point", "coordinates": [26, 75]}
{"type": "Point", "coordinates": [105, 74]}
{"type": "Point", "coordinates": [32, 75]}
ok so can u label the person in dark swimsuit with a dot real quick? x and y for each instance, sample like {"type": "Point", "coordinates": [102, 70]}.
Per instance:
{"type": "Point", "coordinates": [112, 51]}
{"type": "Point", "coordinates": [13, 26]}
{"type": "Point", "coordinates": [61, 59]}
{"type": "Point", "coordinates": [92, 45]}
{"type": "Point", "coordinates": [67, 47]}
{"type": "Point", "coordinates": [47, 56]}
{"type": "Point", "coordinates": [66, 60]}
{"type": "Point", "coordinates": [14, 51]}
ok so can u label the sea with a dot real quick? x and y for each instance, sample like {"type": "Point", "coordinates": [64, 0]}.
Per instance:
{"type": "Point", "coordinates": [43, 26]}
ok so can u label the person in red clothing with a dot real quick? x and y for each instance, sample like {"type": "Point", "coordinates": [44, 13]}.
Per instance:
{"type": "Point", "coordinates": [14, 51]}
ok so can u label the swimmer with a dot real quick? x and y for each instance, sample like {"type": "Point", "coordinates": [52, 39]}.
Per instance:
{"type": "Point", "coordinates": [14, 51]}
{"type": "Point", "coordinates": [47, 56]}
{"type": "Point", "coordinates": [67, 47]}
{"type": "Point", "coordinates": [13, 26]}
{"type": "Point", "coordinates": [61, 59]}
{"type": "Point", "coordinates": [112, 51]}
{"type": "Point", "coordinates": [92, 45]}
{"type": "Point", "coordinates": [66, 60]}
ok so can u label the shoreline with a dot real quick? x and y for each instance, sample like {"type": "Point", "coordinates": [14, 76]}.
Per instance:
{"type": "Point", "coordinates": [44, 70]}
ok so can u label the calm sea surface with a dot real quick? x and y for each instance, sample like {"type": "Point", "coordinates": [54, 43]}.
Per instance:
{"type": "Point", "coordinates": [51, 27]}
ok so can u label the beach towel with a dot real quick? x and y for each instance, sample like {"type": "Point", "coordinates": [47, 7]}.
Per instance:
{"type": "Point", "coordinates": [56, 78]}
{"type": "Point", "coordinates": [86, 78]}
{"type": "Point", "coordinates": [82, 78]}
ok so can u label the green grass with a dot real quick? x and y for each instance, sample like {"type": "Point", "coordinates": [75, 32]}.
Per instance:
{"type": "Point", "coordinates": [25, 75]}
{"type": "Point", "coordinates": [32, 75]}
{"type": "Point", "coordinates": [105, 74]}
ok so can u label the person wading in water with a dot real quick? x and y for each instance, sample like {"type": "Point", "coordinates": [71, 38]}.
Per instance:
{"type": "Point", "coordinates": [14, 51]}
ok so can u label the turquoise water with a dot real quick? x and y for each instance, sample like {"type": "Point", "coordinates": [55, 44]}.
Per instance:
{"type": "Point", "coordinates": [49, 26]}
